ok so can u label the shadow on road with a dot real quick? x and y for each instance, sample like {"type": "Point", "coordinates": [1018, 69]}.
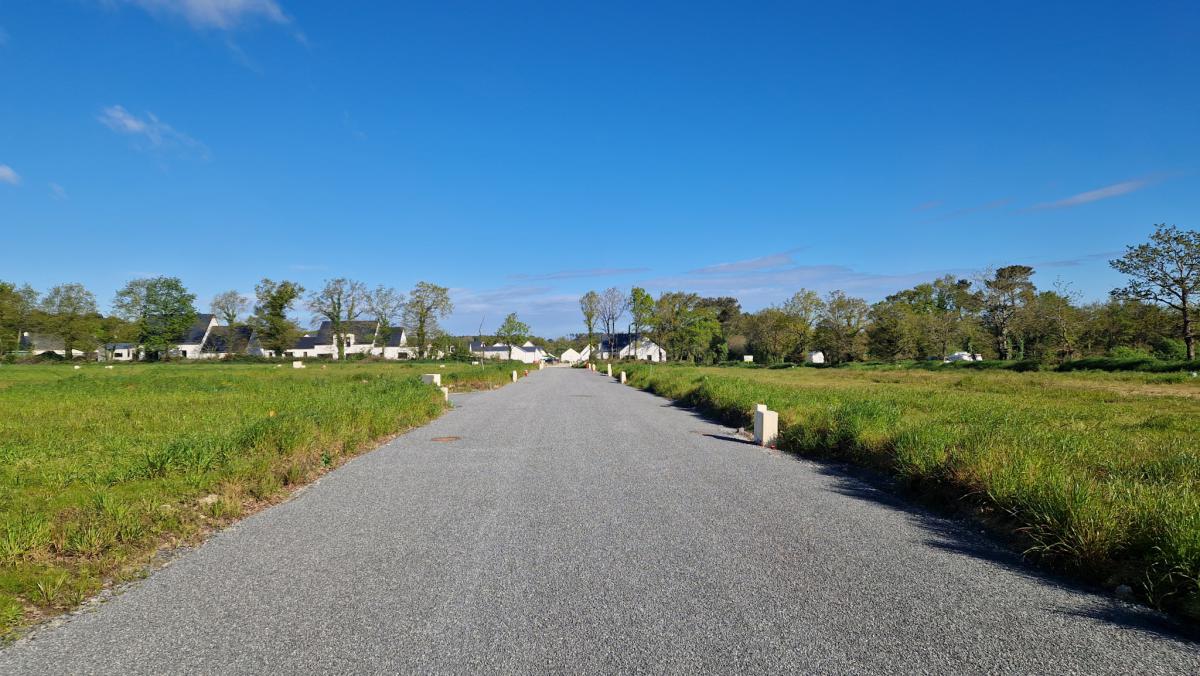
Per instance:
{"type": "Point", "coordinates": [964, 538]}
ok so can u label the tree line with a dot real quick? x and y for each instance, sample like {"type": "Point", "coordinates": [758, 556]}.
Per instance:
{"type": "Point", "coordinates": [999, 315]}
{"type": "Point", "coordinates": [155, 312]}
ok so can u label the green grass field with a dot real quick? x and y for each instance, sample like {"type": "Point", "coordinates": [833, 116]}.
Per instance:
{"type": "Point", "coordinates": [101, 467]}
{"type": "Point", "coordinates": [1095, 473]}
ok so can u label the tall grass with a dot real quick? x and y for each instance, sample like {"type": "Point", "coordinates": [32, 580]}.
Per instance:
{"type": "Point", "coordinates": [98, 467]}
{"type": "Point", "coordinates": [1096, 474]}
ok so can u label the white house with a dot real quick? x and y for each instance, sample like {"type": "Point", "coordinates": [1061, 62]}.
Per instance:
{"type": "Point", "coordinates": [191, 344]}
{"type": "Point", "coordinates": [117, 352]}
{"type": "Point", "coordinates": [569, 356]}
{"type": "Point", "coordinates": [527, 353]}
{"type": "Point", "coordinates": [622, 346]}
{"type": "Point", "coordinates": [358, 337]}
{"type": "Point", "coordinates": [44, 343]}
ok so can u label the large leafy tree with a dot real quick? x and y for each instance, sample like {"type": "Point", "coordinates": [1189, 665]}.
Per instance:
{"type": "Point", "coordinates": [1166, 271]}
{"type": "Point", "coordinates": [276, 331]}
{"type": "Point", "coordinates": [340, 301]}
{"type": "Point", "coordinates": [589, 305]}
{"type": "Point", "coordinates": [72, 316]}
{"type": "Point", "coordinates": [1006, 293]}
{"type": "Point", "coordinates": [842, 325]}
{"type": "Point", "coordinates": [427, 303]}
{"type": "Point", "coordinates": [683, 327]}
{"type": "Point", "coordinates": [161, 307]}
{"type": "Point", "coordinates": [512, 332]}
{"type": "Point", "coordinates": [17, 304]}
{"type": "Point", "coordinates": [804, 310]}
{"type": "Point", "coordinates": [641, 311]}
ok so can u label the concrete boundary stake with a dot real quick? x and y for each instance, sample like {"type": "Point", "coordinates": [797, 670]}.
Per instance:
{"type": "Point", "coordinates": [432, 379]}
{"type": "Point", "coordinates": [766, 425]}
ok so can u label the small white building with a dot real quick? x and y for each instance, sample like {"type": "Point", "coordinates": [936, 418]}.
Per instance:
{"type": "Point", "coordinates": [527, 353]}
{"type": "Point", "coordinates": [963, 356]}
{"type": "Point", "coordinates": [358, 337]}
{"type": "Point", "coordinates": [623, 346]}
{"type": "Point", "coordinates": [815, 357]}
{"type": "Point", "coordinates": [569, 356]}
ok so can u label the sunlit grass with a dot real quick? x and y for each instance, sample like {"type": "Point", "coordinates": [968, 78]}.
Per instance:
{"type": "Point", "coordinates": [98, 467]}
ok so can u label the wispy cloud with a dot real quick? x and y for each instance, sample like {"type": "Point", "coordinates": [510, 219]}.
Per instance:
{"type": "Point", "coordinates": [57, 191]}
{"type": "Point", "coordinates": [9, 175]}
{"type": "Point", "coordinates": [575, 274]}
{"type": "Point", "coordinates": [158, 135]}
{"type": "Point", "coordinates": [761, 263]}
{"type": "Point", "coordinates": [1114, 190]}
{"type": "Point", "coordinates": [968, 211]}
{"type": "Point", "coordinates": [1079, 260]}
{"type": "Point", "coordinates": [927, 206]}
{"type": "Point", "coordinates": [223, 15]}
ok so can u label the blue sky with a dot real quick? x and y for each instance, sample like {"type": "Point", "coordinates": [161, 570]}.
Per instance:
{"type": "Point", "coordinates": [521, 153]}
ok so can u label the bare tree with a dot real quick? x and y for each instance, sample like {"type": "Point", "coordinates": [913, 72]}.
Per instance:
{"type": "Point", "coordinates": [613, 304]}
{"type": "Point", "coordinates": [340, 301]}
{"type": "Point", "coordinates": [385, 304]}
{"type": "Point", "coordinates": [228, 306]}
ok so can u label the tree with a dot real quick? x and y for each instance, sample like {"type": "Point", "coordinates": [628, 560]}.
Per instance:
{"type": "Point", "coordinates": [804, 308]}
{"type": "Point", "coordinates": [341, 300]}
{"type": "Point", "coordinates": [162, 309]}
{"type": "Point", "coordinates": [1165, 271]}
{"type": "Point", "coordinates": [228, 306]}
{"type": "Point", "coordinates": [841, 327]}
{"type": "Point", "coordinates": [71, 315]}
{"type": "Point", "coordinates": [589, 304]}
{"type": "Point", "coordinates": [16, 309]}
{"type": "Point", "coordinates": [1006, 292]}
{"type": "Point", "coordinates": [613, 304]}
{"type": "Point", "coordinates": [427, 303]}
{"type": "Point", "coordinates": [772, 333]}
{"type": "Point", "coordinates": [512, 331]}
{"type": "Point", "coordinates": [683, 327]}
{"type": "Point", "coordinates": [276, 332]}
{"type": "Point", "coordinates": [641, 311]}
{"type": "Point", "coordinates": [385, 304]}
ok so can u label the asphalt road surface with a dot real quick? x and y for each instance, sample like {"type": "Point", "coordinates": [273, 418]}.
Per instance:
{"type": "Point", "coordinates": [580, 525]}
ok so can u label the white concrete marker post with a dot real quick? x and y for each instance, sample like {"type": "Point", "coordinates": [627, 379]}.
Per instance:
{"type": "Point", "coordinates": [514, 376]}
{"type": "Point", "coordinates": [446, 393]}
{"type": "Point", "coordinates": [766, 425]}
{"type": "Point", "coordinates": [297, 364]}
{"type": "Point", "coordinates": [609, 370]}
{"type": "Point", "coordinates": [622, 377]}
{"type": "Point", "coordinates": [432, 379]}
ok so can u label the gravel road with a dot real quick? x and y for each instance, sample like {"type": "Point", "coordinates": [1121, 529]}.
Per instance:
{"type": "Point", "coordinates": [579, 525]}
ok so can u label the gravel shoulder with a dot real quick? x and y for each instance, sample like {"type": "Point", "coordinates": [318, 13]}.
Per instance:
{"type": "Point", "coordinates": [579, 525]}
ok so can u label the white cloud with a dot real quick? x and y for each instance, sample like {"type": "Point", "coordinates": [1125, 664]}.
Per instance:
{"type": "Point", "coordinates": [1114, 190]}
{"type": "Point", "coordinates": [9, 175]}
{"type": "Point", "coordinates": [57, 191]}
{"type": "Point", "coordinates": [762, 263]}
{"type": "Point", "coordinates": [158, 134]}
{"type": "Point", "coordinates": [217, 14]}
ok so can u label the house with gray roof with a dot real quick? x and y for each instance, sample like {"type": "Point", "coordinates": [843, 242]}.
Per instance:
{"type": "Point", "coordinates": [358, 337]}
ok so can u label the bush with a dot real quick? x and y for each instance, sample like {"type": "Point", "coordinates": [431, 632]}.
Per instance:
{"type": "Point", "coordinates": [1170, 349]}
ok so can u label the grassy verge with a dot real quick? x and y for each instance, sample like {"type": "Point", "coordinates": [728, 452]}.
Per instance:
{"type": "Point", "coordinates": [101, 467]}
{"type": "Point", "coordinates": [1096, 474]}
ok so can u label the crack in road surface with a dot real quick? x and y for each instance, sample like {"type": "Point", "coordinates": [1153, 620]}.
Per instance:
{"type": "Point", "coordinates": [579, 525]}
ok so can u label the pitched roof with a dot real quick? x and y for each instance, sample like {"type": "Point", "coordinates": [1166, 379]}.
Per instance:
{"type": "Point", "coordinates": [305, 343]}
{"type": "Point", "coordinates": [196, 331]}
{"type": "Point", "coordinates": [40, 341]}
{"type": "Point", "coordinates": [622, 340]}
{"type": "Point", "coordinates": [362, 330]}
{"type": "Point", "coordinates": [218, 338]}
